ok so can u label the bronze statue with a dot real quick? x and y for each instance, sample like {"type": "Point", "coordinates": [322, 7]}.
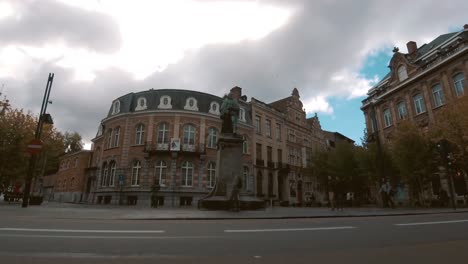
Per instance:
{"type": "Point", "coordinates": [229, 114]}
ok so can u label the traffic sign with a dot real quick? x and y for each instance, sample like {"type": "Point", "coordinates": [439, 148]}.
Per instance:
{"type": "Point", "coordinates": [34, 146]}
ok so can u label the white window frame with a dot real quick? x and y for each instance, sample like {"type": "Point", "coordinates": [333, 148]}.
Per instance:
{"type": "Point", "coordinates": [402, 111]}
{"type": "Point", "coordinates": [194, 107]}
{"type": "Point", "coordinates": [116, 137]}
{"type": "Point", "coordinates": [242, 114]}
{"type": "Point", "coordinates": [419, 105]}
{"type": "Point", "coordinates": [438, 95]}
{"type": "Point", "coordinates": [116, 107]}
{"type": "Point", "coordinates": [459, 84]}
{"type": "Point", "coordinates": [105, 174]}
{"type": "Point", "coordinates": [214, 108]}
{"type": "Point", "coordinates": [278, 131]}
{"type": "Point", "coordinates": [160, 172]}
{"type": "Point", "coordinates": [113, 169]}
{"type": "Point", "coordinates": [162, 105]}
{"type": "Point", "coordinates": [212, 137]}
{"type": "Point", "coordinates": [140, 134]}
{"type": "Point", "coordinates": [268, 128]}
{"type": "Point", "coordinates": [211, 173]}
{"type": "Point", "coordinates": [187, 174]}
{"type": "Point", "coordinates": [140, 107]}
{"type": "Point", "coordinates": [109, 138]}
{"type": "Point", "coordinates": [136, 170]}
{"type": "Point", "coordinates": [163, 133]}
{"type": "Point", "coordinates": [258, 124]}
{"type": "Point", "coordinates": [189, 134]}
{"type": "Point", "coordinates": [387, 115]}
{"type": "Point", "coordinates": [402, 73]}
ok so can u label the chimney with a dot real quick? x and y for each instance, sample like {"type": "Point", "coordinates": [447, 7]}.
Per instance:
{"type": "Point", "coordinates": [236, 92]}
{"type": "Point", "coordinates": [412, 47]}
{"type": "Point", "coordinates": [465, 27]}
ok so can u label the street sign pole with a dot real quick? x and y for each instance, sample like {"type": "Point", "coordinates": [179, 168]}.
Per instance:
{"type": "Point", "coordinates": [37, 136]}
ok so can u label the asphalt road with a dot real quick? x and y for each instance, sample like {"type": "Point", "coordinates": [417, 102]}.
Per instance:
{"type": "Point", "coordinates": [440, 238]}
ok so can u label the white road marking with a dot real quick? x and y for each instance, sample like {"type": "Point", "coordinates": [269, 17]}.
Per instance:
{"type": "Point", "coordinates": [107, 237]}
{"type": "Point", "coordinates": [432, 223]}
{"type": "Point", "coordinates": [82, 230]}
{"type": "Point", "coordinates": [287, 229]}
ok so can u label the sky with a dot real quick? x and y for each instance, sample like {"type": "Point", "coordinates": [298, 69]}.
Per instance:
{"type": "Point", "coordinates": [332, 51]}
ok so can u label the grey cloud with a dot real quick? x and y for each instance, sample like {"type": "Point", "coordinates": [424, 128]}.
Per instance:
{"type": "Point", "coordinates": [40, 22]}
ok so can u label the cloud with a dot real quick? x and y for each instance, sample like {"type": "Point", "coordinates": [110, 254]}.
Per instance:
{"type": "Point", "coordinates": [38, 23]}
{"type": "Point", "coordinates": [320, 50]}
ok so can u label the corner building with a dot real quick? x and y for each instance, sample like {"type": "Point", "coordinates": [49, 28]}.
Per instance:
{"type": "Point", "coordinates": [168, 138]}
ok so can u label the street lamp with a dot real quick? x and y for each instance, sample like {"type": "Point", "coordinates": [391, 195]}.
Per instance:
{"type": "Point", "coordinates": [43, 119]}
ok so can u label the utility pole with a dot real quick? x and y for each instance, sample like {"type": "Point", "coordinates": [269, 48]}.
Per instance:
{"type": "Point", "coordinates": [43, 118]}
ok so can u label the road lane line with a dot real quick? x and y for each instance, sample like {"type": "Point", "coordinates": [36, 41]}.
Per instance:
{"type": "Point", "coordinates": [433, 223]}
{"type": "Point", "coordinates": [287, 229]}
{"type": "Point", "coordinates": [107, 237]}
{"type": "Point", "coordinates": [81, 230]}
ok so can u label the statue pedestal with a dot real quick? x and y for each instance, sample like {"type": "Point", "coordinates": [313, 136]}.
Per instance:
{"type": "Point", "coordinates": [228, 174]}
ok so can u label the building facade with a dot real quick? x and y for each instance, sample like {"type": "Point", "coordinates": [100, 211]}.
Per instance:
{"type": "Point", "coordinates": [161, 145]}
{"type": "Point", "coordinates": [419, 84]}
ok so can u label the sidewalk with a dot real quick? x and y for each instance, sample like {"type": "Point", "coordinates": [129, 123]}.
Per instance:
{"type": "Point", "coordinates": [84, 211]}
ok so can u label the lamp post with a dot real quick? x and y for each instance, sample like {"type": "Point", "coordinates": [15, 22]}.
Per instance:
{"type": "Point", "coordinates": [43, 118]}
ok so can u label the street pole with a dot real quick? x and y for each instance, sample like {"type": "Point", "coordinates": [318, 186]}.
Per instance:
{"type": "Point", "coordinates": [37, 135]}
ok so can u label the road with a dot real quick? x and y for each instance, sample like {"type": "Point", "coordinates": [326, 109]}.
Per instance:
{"type": "Point", "coordinates": [392, 239]}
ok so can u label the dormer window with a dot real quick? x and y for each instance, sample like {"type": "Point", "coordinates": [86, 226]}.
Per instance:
{"type": "Point", "coordinates": [191, 104]}
{"type": "Point", "coordinates": [242, 114]}
{"type": "Point", "coordinates": [141, 104]}
{"type": "Point", "coordinates": [214, 108]}
{"type": "Point", "coordinates": [165, 102]}
{"type": "Point", "coordinates": [116, 107]}
{"type": "Point", "coordinates": [402, 73]}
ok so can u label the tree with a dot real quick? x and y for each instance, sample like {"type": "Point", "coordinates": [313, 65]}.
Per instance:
{"type": "Point", "coordinates": [73, 141]}
{"type": "Point", "coordinates": [411, 151]}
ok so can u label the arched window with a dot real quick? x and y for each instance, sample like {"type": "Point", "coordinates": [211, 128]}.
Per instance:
{"type": "Point", "coordinates": [438, 95]}
{"type": "Point", "coordinates": [160, 172]}
{"type": "Point", "coordinates": [165, 102]}
{"type": "Point", "coordinates": [141, 104]}
{"type": "Point", "coordinates": [402, 113]}
{"type": "Point", "coordinates": [113, 169]}
{"type": "Point", "coordinates": [116, 107]}
{"type": "Point", "coordinates": [191, 104]}
{"type": "Point", "coordinates": [163, 133]}
{"type": "Point", "coordinates": [116, 137]}
{"type": "Point", "coordinates": [214, 108]}
{"type": "Point", "coordinates": [105, 174]}
{"type": "Point", "coordinates": [419, 105]}
{"type": "Point", "coordinates": [189, 135]}
{"type": "Point", "coordinates": [136, 168]}
{"type": "Point", "coordinates": [211, 173]}
{"type": "Point", "coordinates": [187, 173]}
{"type": "Point", "coordinates": [140, 134]}
{"type": "Point", "coordinates": [387, 115]}
{"type": "Point", "coordinates": [459, 83]}
{"type": "Point", "coordinates": [402, 73]}
{"type": "Point", "coordinates": [212, 137]}
{"type": "Point", "coordinates": [246, 178]}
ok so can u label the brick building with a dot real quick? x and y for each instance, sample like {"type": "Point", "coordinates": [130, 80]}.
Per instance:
{"type": "Point", "coordinates": [419, 84]}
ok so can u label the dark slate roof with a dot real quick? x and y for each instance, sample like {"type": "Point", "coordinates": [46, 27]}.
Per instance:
{"type": "Point", "coordinates": [424, 49]}
{"type": "Point", "coordinates": [129, 101]}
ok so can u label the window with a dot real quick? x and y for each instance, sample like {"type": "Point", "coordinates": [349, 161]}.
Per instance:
{"type": "Point", "coordinates": [245, 145]}
{"type": "Point", "coordinates": [258, 151]}
{"type": "Point", "coordinates": [116, 137]}
{"type": "Point", "coordinates": [242, 114]}
{"type": "Point", "coordinates": [459, 82]}
{"type": "Point", "coordinates": [211, 172]}
{"type": "Point", "coordinates": [419, 104]}
{"type": "Point", "coordinates": [163, 133]}
{"type": "Point", "coordinates": [141, 104]}
{"type": "Point", "coordinates": [257, 125]}
{"type": "Point", "coordinates": [402, 74]}
{"type": "Point", "coordinates": [160, 172]}
{"type": "Point", "coordinates": [116, 107]}
{"type": "Point", "coordinates": [214, 108]}
{"type": "Point", "coordinates": [76, 163]}
{"type": "Point", "coordinates": [189, 135]}
{"type": "Point", "coordinates": [402, 113]}
{"type": "Point", "coordinates": [269, 154]}
{"type": "Point", "coordinates": [105, 174]}
{"type": "Point", "coordinates": [212, 137]}
{"type": "Point", "coordinates": [165, 102]}
{"type": "Point", "coordinates": [387, 117]}
{"type": "Point", "coordinates": [136, 173]}
{"type": "Point", "coordinates": [280, 156]}
{"type": "Point", "coordinates": [140, 134]}
{"type": "Point", "coordinates": [292, 135]}
{"type": "Point", "coordinates": [278, 131]}
{"type": "Point", "coordinates": [109, 138]}
{"type": "Point", "coordinates": [191, 104]}
{"type": "Point", "coordinates": [187, 173]}
{"type": "Point", "coordinates": [268, 128]}
{"type": "Point", "coordinates": [113, 169]}
{"type": "Point", "coordinates": [246, 177]}
{"type": "Point", "coordinates": [438, 95]}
